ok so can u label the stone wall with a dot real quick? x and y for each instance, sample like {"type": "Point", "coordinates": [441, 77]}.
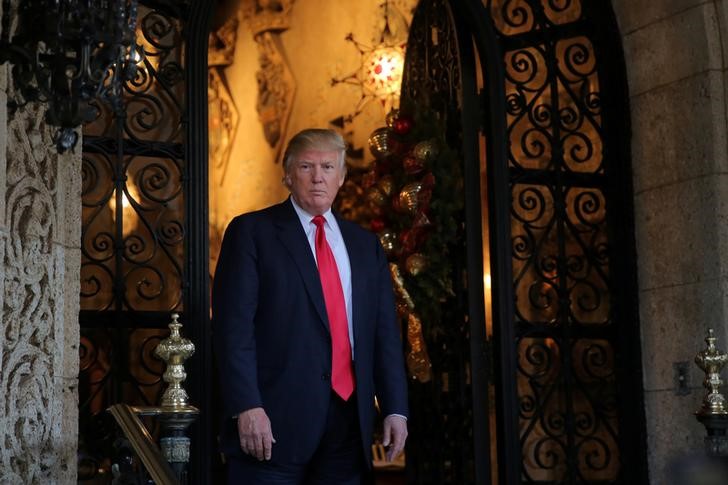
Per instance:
{"type": "Point", "coordinates": [40, 256]}
{"type": "Point", "coordinates": [676, 73]}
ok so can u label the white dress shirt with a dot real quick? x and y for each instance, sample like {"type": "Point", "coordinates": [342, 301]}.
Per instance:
{"type": "Point", "coordinates": [336, 243]}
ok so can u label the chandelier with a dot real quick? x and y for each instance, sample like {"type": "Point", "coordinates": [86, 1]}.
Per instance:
{"type": "Point", "coordinates": [68, 53]}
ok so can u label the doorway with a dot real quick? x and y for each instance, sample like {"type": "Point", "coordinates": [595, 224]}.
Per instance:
{"type": "Point", "coordinates": [533, 98]}
{"type": "Point", "coordinates": [534, 94]}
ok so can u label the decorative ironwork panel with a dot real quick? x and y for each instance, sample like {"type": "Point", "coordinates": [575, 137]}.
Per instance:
{"type": "Point", "coordinates": [513, 17]}
{"type": "Point", "coordinates": [116, 365]}
{"type": "Point", "coordinates": [100, 352]}
{"type": "Point", "coordinates": [563, 304]}
{"type": "Point", "coordinates": [155, 97]}
{"type": "Point", "coordinates": [135, 264]}
{"type": "Point", "coordinates": [560, 257]}
{"type": "Point", "coordinates": [135, 230]}
{"type": "Point", "coordinates": [432, 70]}
{"type": "Point", "coordinates": [567, 431]}
{"type": "Point", "coordinates": [133, 202]}
{"type": "Point", "coordinates": [554, 117]}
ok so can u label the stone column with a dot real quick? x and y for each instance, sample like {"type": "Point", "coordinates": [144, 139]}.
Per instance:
{"type": "Point", "coordinates": [676, 75]}
{"type": "Point", "coordinates": [40, 256]}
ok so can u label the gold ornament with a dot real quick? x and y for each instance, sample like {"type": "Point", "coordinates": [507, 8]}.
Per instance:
{"type": "Point", "coordinates": [380, 143]}
{"type": "Point", "coordinates": [390, 242]}
{"type": "Point", "coordinates": [401, 307]}
{"type": "Point", "coordinates": [409, 197]}
{"type": "Point", "coordinates": [418, 362]}
{"type": "Point", "coordinates": [425, 151]}
{"type": "Point", "coordinates": [412, 165]}
{"type": "Point", "coordinates": [399, 289]}
{"type": "Point", "coordinates": [386, 185]}
{"type": "Point", "coordinates": [415, 264]}
{"type": "Point", "coordinates": [392, 116]}
{"type": "Point", "coordinates": [376, 197]}
{"type": "Point", "coordinates": [711, 361]}
{"type": "Point", "coordinates": [174, 350]}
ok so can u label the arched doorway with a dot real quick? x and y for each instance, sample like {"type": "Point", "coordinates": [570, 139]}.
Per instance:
{"type": "Point", "coordinates": [539, 106]}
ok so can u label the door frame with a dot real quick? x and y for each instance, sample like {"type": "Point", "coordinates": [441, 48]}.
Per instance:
{"type": "Point", "coordinates": [485, 112]}
{"type": "Point", "coordinates": [200, 383]}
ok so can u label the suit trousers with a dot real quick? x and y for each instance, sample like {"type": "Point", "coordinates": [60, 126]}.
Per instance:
{"type": "Point", "coordinates": [338, 459]}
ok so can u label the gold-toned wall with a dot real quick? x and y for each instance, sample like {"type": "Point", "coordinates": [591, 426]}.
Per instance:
{"type": "Point", "coordinates": [312, 41]}
{"type": "Point", "coordinates": [319, 52]}
{"type": "Point", "coordinates": [248, 179]}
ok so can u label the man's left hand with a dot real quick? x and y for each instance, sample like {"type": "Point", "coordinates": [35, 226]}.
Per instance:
{"type": "Point", "coordinates": [395, 434]}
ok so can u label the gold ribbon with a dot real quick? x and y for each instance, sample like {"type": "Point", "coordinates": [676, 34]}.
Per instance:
{"type": "Point", "coordinates": [418, 362]}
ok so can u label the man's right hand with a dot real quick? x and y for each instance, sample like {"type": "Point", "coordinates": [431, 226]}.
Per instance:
{"type": "Point", "coordinates": [256, 436]}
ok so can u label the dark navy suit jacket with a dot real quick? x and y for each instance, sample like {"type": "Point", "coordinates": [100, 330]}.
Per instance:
{"type": "Point", "coordinates": [271, 333]}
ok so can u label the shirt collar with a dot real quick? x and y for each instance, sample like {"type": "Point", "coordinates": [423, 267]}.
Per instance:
{"type": "Point", "coordinates": [305, 217]}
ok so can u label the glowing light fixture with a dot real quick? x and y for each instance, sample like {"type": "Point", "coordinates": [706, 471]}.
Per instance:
{"type": "Point", "coordinates": [382, 71]}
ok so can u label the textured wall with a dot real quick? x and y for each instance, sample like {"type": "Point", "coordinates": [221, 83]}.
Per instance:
{"type": "Point", "coordinates": [677, 73]}
{"type": "Point", "coordinates": [316, 51]}
{"type": "Point", "coordinates": [40, 204]}
{"type": "Point", "coordinates": [252, 179]}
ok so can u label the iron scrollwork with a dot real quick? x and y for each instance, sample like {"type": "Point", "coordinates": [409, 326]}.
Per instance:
{"type": "Point", "coordinates": [133, 170]}
{"type": "Point", "coordinates": [134, 228]}
{"type": "Point", "coordinates": [432, 70]}
{"type": "Point", "coordinates": [566, 384]}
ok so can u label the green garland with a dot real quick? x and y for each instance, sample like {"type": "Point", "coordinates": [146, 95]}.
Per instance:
{"type": "Point", "coordinates": [402, 231]}
{"type": "Point", "coordinates": [431, 287]}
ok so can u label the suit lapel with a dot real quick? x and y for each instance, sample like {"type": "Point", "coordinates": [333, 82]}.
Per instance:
{"type": "Point", "coordinates": [294, 239]}
{"type": "Point", "coordinates": [353, 247]}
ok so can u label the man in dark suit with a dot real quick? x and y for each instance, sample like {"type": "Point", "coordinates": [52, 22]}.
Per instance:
{"type": "Point", "coordinates": [305, 333]}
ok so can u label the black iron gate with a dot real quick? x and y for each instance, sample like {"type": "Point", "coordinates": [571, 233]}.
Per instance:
{"type": "Point", "coordinates": [144, 237]}
{"type": "Point", "coordinates": [535, 93]}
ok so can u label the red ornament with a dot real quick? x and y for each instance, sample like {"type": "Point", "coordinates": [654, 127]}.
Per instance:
{"type": "Point", "coordinates": [383, 167]}
{"type": "Point", "coordinates": [402, 125]}
{"type": "Point", "coordinates": [411, 239]}
{"type": "Point", "coordinates": [392, 116]}
{"type": "Point", "coordinates": [412, 166]}
{"type": "Point", "coordinates": [376, 225]}
{"type": "Point", "coordinates": [369, 179]}
{"type": "Point", "coordinates": [421, 220]}
{"type": "Point", "coordinates": [428, 181]}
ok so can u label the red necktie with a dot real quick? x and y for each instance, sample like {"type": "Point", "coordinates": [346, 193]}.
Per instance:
{"type": "Point", "coordinates": [342, 375]}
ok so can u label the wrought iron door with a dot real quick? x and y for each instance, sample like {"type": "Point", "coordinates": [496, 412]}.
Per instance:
{"type": "Point", "coordinates": [440, 447]}
{"type": "Point", "coordinates": [544, 114]}
{"type": "Point", "coordinates": [144, 244]}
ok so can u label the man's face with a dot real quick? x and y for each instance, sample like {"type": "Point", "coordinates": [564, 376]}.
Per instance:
{"type": "Point", "coordinates": [314, 179]}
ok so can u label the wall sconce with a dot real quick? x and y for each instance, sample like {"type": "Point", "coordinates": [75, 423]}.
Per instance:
{"type": "Point", "coordinates": [68, 53]}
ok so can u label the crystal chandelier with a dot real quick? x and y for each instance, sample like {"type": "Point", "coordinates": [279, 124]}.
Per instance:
{"type": "Point", "coordinates": [68, 53]}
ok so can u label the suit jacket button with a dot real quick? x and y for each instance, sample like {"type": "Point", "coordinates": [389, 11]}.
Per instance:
{"type": "Point", "coordinates": [325, 376]}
